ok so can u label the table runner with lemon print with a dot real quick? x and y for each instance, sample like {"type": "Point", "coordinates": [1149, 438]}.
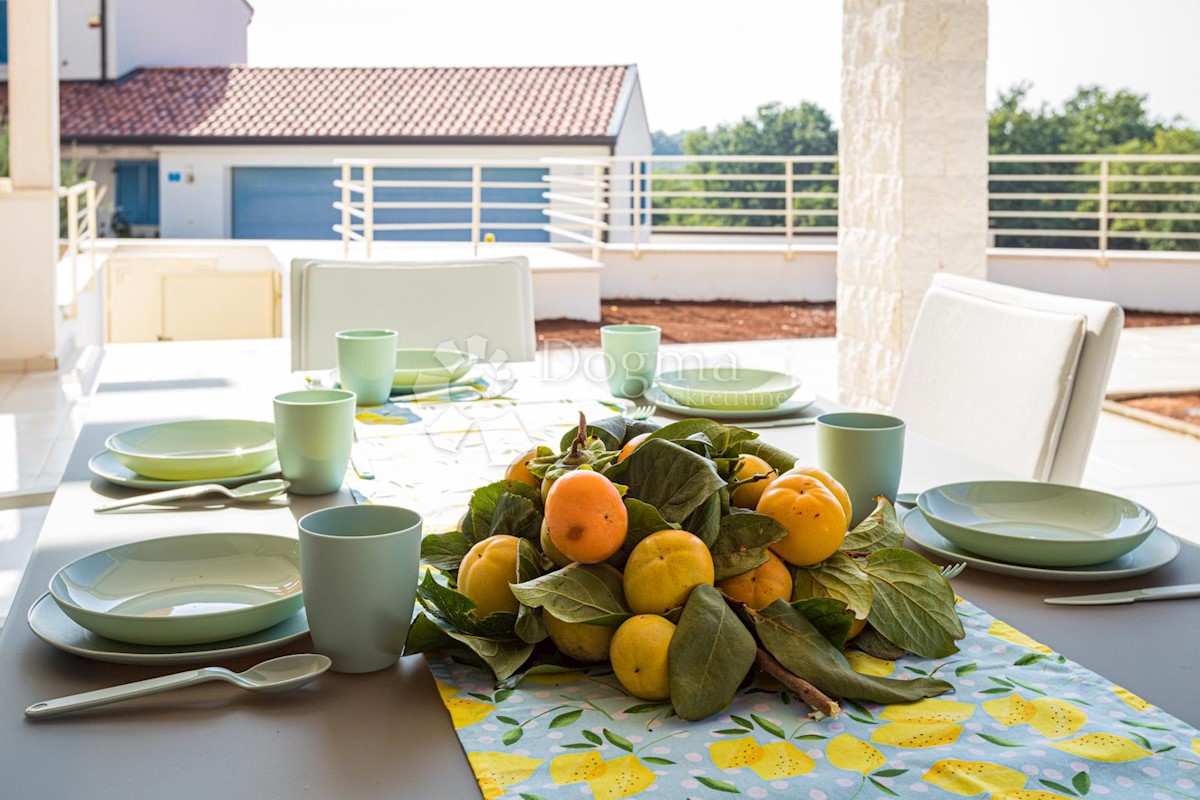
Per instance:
{"type": "Point", "coordinates": [1023, 723]}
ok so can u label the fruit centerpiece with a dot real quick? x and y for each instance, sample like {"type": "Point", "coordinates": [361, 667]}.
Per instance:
{"type": "Point", "coordinates": [691, 557]}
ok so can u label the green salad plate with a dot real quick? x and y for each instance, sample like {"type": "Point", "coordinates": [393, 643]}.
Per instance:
{"type": "Point", "coordinates": [52, 626]}
{"type": "Point", "coordinates": [728, 388]}
{"type": "Point", "coordinates": [1036, 524]}
{"type": "Point", "coordinates": [418, 369]}
{"type": "Point", "coordinates": [105, 465]}
{"type": "Point", "coordinates": [200, 449]}
{"type": "Point", "coordinates": [189, 589]}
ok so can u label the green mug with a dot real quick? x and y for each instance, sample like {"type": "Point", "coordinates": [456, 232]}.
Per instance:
{"type": "Point", "coordinates": [314, 430]}
{"type": "Point", "coordinates": [863, 452]}
{"type": "Point", "coordinates": [367, 363]}
{"type": "Point", "coordinates": [631, 357]}
{"type": "Point", "coordinates": [358, 566]}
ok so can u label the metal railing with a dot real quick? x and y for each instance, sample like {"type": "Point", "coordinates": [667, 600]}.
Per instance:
{"type": "Point", "coordinates": [81, 237]}
{"type": "Point", "coordinates": [1100, 202]}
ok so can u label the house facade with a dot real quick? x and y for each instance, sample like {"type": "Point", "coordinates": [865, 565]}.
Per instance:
{"type": "Point", "coordinates": [190, 143]}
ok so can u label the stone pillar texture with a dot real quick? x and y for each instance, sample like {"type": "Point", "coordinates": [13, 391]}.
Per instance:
{"type": "Point", "coordinates": [913, 164]}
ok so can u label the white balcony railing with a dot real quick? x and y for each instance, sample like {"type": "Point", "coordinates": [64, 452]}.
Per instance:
{"type": "Point", "coordinates": [1099, 202]}
{"type": "Point", "coordinates": [81, 238]}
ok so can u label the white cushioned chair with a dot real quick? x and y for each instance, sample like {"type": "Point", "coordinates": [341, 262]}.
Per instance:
{"type": "Point", "coordinates": [427, 303]}
{"type": "Point", "coordinates": [1011, 376]}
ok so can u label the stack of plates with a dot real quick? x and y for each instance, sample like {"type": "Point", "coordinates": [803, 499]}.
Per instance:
{"type": "Point", "coordinates": [421, 370]}
{"type": "Point", "coordinates": [176, 599]}
{"type": "Point", "coordinates": [177, 454]}
{"type": "Point", "coordinates": [728, 393]}
{"type": "Point", "coordinates": [1039, 530]}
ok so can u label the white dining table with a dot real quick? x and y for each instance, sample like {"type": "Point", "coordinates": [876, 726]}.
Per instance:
{"type": "Point", "coordinates": [387, 734]}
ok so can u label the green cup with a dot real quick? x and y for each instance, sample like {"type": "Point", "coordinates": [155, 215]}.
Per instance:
{"type": "Point", "coordinates": [631, 357]}
{"type": "Point", "coordinates": [366, 364]}
{"type": "Point", "coordinates": [864, 452]}
{"type": "Point", "coordinates": [314, 430]}
{"type": "Point", "coordinates": [358, 566]}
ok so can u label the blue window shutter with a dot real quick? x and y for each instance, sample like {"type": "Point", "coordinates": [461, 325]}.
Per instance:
{"type": "Point", "coordinates": [3, 31]}
{"type": "Point", "coordinates": [137, 192]}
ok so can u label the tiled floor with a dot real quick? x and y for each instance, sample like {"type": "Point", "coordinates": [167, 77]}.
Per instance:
{"type": "Point", "coordinates": [41, 414]}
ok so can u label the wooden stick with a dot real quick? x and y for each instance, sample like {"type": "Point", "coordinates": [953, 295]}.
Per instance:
{"type": "Point", "coordinates": [802, 688]}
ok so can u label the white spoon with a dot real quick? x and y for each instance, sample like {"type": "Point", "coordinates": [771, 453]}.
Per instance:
{"type": "Point", "coordinates": [276, 675]}
{"type": "Point", "coordinates": [249, 493]}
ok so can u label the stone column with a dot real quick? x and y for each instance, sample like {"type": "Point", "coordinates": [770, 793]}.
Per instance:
{"type": "Point", "coordinates": [913, 164]}
{"type": "Point", "coordinates": [29, 211]}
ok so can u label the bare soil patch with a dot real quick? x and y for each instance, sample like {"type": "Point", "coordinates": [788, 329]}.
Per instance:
{"type": "Point", "coordinates": [1183, 407]}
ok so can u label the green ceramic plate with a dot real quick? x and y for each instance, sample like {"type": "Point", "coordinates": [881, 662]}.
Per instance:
{"type": "Point", "coordinates": [199, 449]}
{"type": "Point", "coordinates": [183, 589]}
{"type": "Point", "coordinates": [1159, 549]}
{"type": "Point", "coordinates": [728, 388]}
{"type": "Point", "coordinates": [52, 626]}
{"type": "Point", "coordinates": [1036, 524]}
{"type": "Point", "coordinates": [105, 465]}
{"type": "Point", "coordinates": [796, 407]}
{"type": "Point", "coordinates": [418, 368]}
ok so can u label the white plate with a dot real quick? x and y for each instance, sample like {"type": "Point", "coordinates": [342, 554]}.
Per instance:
{"type": "Point", "coordinates": [1157, 551]}
{"type": "Point", "coordinates": [52, 626]}
{"type": "Point", "coordinates": [105, 465]}
{"type": "Point", "coordinates": [791, 408]}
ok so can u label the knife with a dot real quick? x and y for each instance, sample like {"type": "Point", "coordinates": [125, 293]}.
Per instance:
{"type": "Point", "coordinates": [1133, 596]}
{"type": "Point", "coordinates": [781, 423]}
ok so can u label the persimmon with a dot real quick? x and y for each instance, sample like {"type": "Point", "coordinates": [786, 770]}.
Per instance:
{"type": "Point", "coordinates": [486, 571]}
{"type": "Point", "coordinates": [518, 470]}
{"type": "Point", "coordinates": [585, 516]}
{"type": "Point", "coordinates": [663, 569]}
{"type": "Point", "coordinates": [579, 640]}
{"type": "Point", "coordinates": [831, 483]}
{"type": "Point", "coordinates": [630, 446]}
{"type": "Point", "coordinates": [639, 656]}
{"type": "Point", "coordinates": [812, 515]}
{"type": "Point", "coordinates": [762, 585]}
{"type": "Point", "coordinates": [746, 495]}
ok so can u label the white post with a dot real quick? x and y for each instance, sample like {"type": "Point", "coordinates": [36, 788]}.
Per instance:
{"type": "Point", "coordinates": [636, 168]}
{"type": "Point", "coordinates": [73, 251]}
{"type": "Point", "coordinates": [1104, 167]}
{"type": "Point", "coordinates": [369, 206]}
{"type": "Point", "coordinates": [476, 202]}
{"type": "Point", "coordinates": [913, 175]}
{"type": "Point", "coordinates": [346, 210]}
{"type": "Point", "coordinates": [92, 233]}
{"type": "Point", "coordinates": [790, 219]}
{"type": "Point", "coordinates": [597, 211]}
{"type": "Point", "coordinates": [29, 213]}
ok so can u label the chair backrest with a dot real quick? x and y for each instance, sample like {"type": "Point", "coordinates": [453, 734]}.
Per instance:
{"type": "Point", "coordinates": [1104, 323]}
{"type": "Point", "coordinates": [989, 377]}
{"type": "Point", "coordinates": [484, 305]}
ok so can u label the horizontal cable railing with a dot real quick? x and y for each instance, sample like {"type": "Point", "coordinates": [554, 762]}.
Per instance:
{"type": "Point", "coordinates": [1102, 202]}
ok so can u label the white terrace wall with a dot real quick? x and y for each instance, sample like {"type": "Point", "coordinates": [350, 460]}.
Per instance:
{"type": "Point", "coordinates": [1144, 281]}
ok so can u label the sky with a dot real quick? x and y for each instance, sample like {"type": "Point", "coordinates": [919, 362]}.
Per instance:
{"type": "Point", "coordinates": [705, 62]}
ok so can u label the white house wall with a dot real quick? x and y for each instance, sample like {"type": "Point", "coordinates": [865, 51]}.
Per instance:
{"type": "Point", "coordinates": [199, 205]}
{"type": "Point", "coordinates": [633, 139]}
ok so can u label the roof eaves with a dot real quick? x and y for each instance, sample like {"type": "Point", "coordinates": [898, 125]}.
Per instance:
{"type": "Point", "coordinates": [343, 140]}
{"type": "Point", "coordinates": [621, 108]}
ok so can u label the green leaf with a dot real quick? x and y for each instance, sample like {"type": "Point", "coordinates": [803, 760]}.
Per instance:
{"type": "Point", "coordinates": [878, 531]}
{"type": "Point", "coordinates": [503, 695]}
{"type": "Point", "coordinates": [657, 760]}
{"type": "Point", "coordinates": [527, 796]}
{"type": "Point", "coordinates": [723, 438]}
{"type": "Point", "coordinates": [457, 610]}
{"type": "Point", "coordinates": [610, 430]}
{"type": "Point", "coordinates": [1082, 782]}
{"type": "Point", "coordinates": [1058, 787]}
{"type": "Point", "coordinates": [996, 740]}
{"type": "Point", "coordinates": [483, 505]}
{"type": "Point", "coordinates": [671, 478]}
{"type": "Point", "coordinates": [579, 746]}
{"type": "Point", "coordinates": [745, 723]}
{"type": "Point", "coordinates": [618, 740]}
{"type": "Point", "coordinates": [642, 708]}
{"type": "Point", "coordinates": [502, 657]}
{"type": "Point", "coordinates": [800, 647]}
{"type": "Point", "coordinates": [912, 605]}
{"type": "Point", "coordinates": [966, 669]}
{"type": "Point", "coordinates": [720, 786]}
{"type": "Point", "coordinates": [530, 626]}
{"type": "Point", "coordinates": [1034, 689]}
{"type": "Point", "coordinates": [808, 737]}
{"type": "Point", "coordinates": [644, 520]}
{"type": "Point", "coordinates": [710, 654]}
{"type": "Point", "coordinates": [592, 737]}
{"type": "Point", "coordinates": [839, 577]}
{"type": "Point", "coordinates": [512, 735]}
{"type": "Point", "coordinates": [516, 516]}
{"type": "Point", "coordinates": [871, 642]}
{"type": "Point", "coordinates": [780, 460]}
{"type": "Point", "coordinates": [705, 522]}
{"type": "Point", "coordinates": [563, 720]}
{"type": "Point", "coordinates": [1147, 725]}
{"type": "Point", "coordinates": [742, 541]}
{"type": "Point", "coordinates": [444, 551]}
{"type": "Point", "coordinates": [507, 720]}
{"type": "Point", "coordinates": [578, 593]}
{"type": "Point", "coordinates": [768, 726]}
{"type": "Point", "coordinates": [515, 679]}
{"type": "Point", "coordinates": [1142, 740]}
{"type": "Point", "coordinates": [889, 773]}
{"type": "Point", "coordinates": [730, 731]}
{"type": "Point", "coordinates": [830, 617]}
{"type": "Point", "coordinates": [996, 690]}
{"type": "Point", "coordinates": [1029, 658]}
{"type": "Point", "coordinates": [882, 788]}
{"type": "Point", "coordinates": [425, 636]}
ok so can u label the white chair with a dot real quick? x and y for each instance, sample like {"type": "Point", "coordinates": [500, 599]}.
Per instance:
{"type": "Point", "coordinates": [1012, 376]}
{"type": "Point", "coordinates": [427, 303]}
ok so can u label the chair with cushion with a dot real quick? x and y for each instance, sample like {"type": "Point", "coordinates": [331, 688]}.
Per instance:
{"type": "Point", "coordinates": [427, 303]}
{"type": "Point", "coordinates": [1011, 376]}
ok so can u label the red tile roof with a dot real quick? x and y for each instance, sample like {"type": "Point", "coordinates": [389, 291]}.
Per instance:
{"type": "Point", "coordinates": [209, 104]}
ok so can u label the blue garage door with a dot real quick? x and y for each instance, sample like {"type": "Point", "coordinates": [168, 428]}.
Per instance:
{"type": "Point", "coordinates": [297, 203]}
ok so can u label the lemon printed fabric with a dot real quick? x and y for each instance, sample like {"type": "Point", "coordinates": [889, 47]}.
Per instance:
{"type": "Point", "coordinates": [1023, 723]}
